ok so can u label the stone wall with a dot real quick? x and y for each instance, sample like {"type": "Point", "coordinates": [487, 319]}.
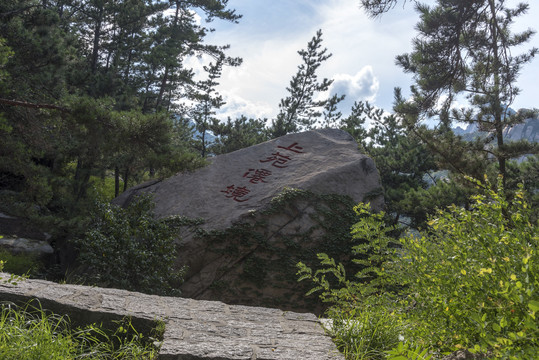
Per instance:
{"type": "Point", "coordinates": [195, 329]}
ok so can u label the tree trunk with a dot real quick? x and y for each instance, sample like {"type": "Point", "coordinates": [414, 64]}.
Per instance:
{"type": "Point", "coordinates": [116, 181]}
{"type": "Point", "coordinates": [97, 35]}
{"type": "Point", "coordinates": [81, 180]}
{"type": "Point", "coordinates": [126, 178]}
{"type": "Point", "coordinates": [497, 106]}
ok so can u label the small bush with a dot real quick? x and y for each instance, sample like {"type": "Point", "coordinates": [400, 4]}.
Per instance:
{"type": "Point", "coordinates": [364, 315]}
{"type": "Point", "coordinates": [20, 264]}
{"type": "Point", "coordinates": [130, 249]}
{"type": "Point", "coordinates": [367, 331]}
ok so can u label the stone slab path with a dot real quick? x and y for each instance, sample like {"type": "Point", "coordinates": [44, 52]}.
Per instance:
{"type": "Point", "coordinates": [195, 329]}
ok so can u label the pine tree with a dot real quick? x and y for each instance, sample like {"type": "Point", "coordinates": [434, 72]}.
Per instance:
{"type": "Point", "coordinates": [123, 63]}
{"type": "Point", "coordinates": [465, 48]}
{"type": "Point", "coordinates": [35, 79]}
{"type": "Point", "coordinates": [403, 162]}
{"type": "Point", "coordinates": [300, 110]}
{"type": "Point", "coordinates": [207, 101]}
{"type": "Point", "coordinates": [238, 134]}
{"type": "Point", "coordinates": [356, 123]}
{"type": "Point", "coordinates": [178, 35]}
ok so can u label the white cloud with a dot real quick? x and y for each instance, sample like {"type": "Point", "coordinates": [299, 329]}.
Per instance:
{"type": "Point", "coordinates": [364, 50]}
{"type": "Point", "coordinates": [362, 86]}
{"type": "Point", "coordinates": [270, 54]}
{"type": "Point", "coordinates": [261, 80]}
{"type": "Point", "coordinates": [236, 106]}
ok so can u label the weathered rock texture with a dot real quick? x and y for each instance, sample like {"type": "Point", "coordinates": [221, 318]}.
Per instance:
{"type": "Point", "coordinates": [194, 329]}
{"type": "Point", "coordinates": [323, 161]}
{"type": "Point", "coordinates": [264, 209]}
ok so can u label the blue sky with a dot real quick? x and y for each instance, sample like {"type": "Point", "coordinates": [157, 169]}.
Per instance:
{"type": "Point", "coordinates": [363, 62]}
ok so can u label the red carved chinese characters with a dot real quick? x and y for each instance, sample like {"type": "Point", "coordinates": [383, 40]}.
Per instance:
{"type": "Point", "coordinates": [257, 175]}
{"type": "Point", "coordinates": [236, 193]}
{"type": "Point", "coordinates": [294, 147]}
{"type": "Point", "coordinates": [278, 160]}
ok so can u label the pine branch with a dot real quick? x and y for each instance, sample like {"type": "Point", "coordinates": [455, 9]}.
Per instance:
{"type": "Point", "coordinates": [33, 105]}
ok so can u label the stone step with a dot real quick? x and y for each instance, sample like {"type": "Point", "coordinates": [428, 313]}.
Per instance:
{"type": "Point", "coordinates": [195, 329]}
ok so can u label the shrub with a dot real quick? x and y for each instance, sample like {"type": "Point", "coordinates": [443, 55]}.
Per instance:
{"type": "Point", "coordinates": [130, 249]}
{"type": "Point", "coordinates": [12, 278]}
{"type": "Point", "coordinates": [473, 276]}
{"type": "Point", "coordinates": [21, 264]}
{"type": "Point", "coordinates": [470, 281]}
{"type": "Point", "coordinates": [367, 331]}
{"type": "Point", "coordinates": [364, 316]}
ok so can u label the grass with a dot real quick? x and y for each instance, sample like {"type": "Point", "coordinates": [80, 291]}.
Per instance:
{"type": "Point", "coordinates": [30, 333]}
{"type": "Point", "coordinates": [365, 333]}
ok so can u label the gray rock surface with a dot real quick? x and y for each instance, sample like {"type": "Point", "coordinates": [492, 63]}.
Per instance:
{"type": "Point", "coordinates": [253, 260]}
{"type": "Point", "coordinates": [194, 329]}
{"type": "Point", "coordinates": [324, 161]}
{"type": "Point", "coordinates": [19, 236]}
{"type": "Point", "coordinates": [529, 130]}
{"type": "Point", "coordinates": [18, 245]}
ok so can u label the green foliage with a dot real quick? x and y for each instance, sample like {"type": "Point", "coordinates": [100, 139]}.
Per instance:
{"type": "Point", "coordinates": [238, 134]}
{"type": "Point", "coordinates": [95, 83]}
{"type": "Point", "coordinates": [355, 123]}
{"type": "Point", "coordinates": [474, 276]}
{"type": "Point", "coordinates": [5, 53]}
{"type": "Point", "coordinates": [420, 203]}
{"type": "Point", "coordinates": [403, 351]}
{"type": "Point", "coordinates": [466, 48]}
{"type": "Point", "coordinates": [365, 332]}
{"type": "Point", "coordinates": [208, 100]}
{"type": "Point", "coordinates": [372, 253]}
{"type": "Point", "coordinates": [299, 110]}
{"type": "Point", "coordinates": [378, 7]}
{"type": "Point", "coordinates": [469, 281]}
{"type": "Point", "coordinates": [365, 322]}
{"type": "Point", "coordinates": [526, 173]}
{"type": "Point", "coordinates": [13, 278]}
{"type": "Point", "coordinates": [403, 161]}
{"type": "Point", "coordinates": [32, 333]}
{"type": "Point", "coordinates": [19, 264]}
{"type": "Point", "coordinates": [130, 249]}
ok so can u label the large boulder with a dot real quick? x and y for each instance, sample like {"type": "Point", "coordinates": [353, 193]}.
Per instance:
{"type": "Point", "coordinates": [262, 209]}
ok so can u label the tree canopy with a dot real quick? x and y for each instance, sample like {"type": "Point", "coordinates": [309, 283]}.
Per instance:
{"type": "Point", "coordinates": [465, 49]}
{"type": "Point", "coordinates": [89, 87]}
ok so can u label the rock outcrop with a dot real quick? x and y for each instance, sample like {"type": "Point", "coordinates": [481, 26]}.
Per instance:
{"type": "Point", "coordinates": [263, 209]}
{"type": "Point", "coordinates": [18, 236]}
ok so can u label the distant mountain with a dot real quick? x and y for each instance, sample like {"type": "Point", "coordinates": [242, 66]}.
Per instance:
{"type": "Point", "coordinates": [196, 135]}
{"type": "Point", "coordinates": [528, 130]}
{"type": "Point", "coordinates": [210, 138]}
{"type": "Point", "coordinates": [469, 132]}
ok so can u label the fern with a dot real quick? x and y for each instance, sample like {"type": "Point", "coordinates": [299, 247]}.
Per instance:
{"type": "Point", "coordinates": [406, 352]}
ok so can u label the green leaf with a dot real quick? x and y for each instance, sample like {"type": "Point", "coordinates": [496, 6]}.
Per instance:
{"type": "Point", "coordinates": [534, 305]}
